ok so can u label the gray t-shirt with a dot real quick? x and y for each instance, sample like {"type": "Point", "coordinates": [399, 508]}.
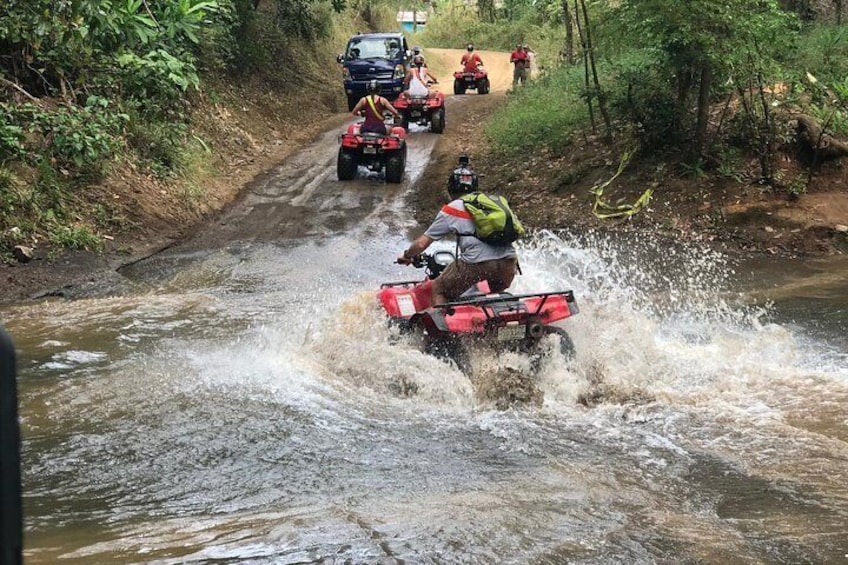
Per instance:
{"type": "Point", "coordinates": [454, 218]}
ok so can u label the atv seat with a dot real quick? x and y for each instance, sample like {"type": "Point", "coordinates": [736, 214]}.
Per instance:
{"type": "Point", "coordinates": [479, 289]}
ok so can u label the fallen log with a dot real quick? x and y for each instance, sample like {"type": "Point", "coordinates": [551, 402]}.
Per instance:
{"type": "Point", "coordinates": [810, 135]}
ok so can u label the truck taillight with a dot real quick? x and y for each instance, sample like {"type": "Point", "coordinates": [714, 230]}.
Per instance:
{"type": "Point", "coordinates": [400, 72]}
{"type": "Point", "coordinates": [345, 73]}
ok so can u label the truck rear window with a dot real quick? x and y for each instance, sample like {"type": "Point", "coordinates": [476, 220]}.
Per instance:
{"type": "Point", "coordinates": [373, 48]}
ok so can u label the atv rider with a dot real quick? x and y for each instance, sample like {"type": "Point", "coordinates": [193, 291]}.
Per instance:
{"type": "Point", "coordinates": [470, 60]}
{"type": "Point", "coordinates": [418, 77]}
{"type": "Point", "coordinates": [478, 260]}
{"type": "Point", "coordinates": [373, 107]}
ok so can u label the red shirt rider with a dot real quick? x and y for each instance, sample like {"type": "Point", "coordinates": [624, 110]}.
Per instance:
{"type": "Point", "coordinates": [470, 61]}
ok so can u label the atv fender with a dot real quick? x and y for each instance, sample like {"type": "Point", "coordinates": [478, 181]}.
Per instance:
{"type": "Point", "coordinates": [433, 320]}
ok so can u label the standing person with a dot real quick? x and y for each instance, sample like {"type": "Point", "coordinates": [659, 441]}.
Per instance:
{"type": "Point", "coordinates": [532, 68]}
{"type": "Point", "coordinates": [373, 106]}
{"type": "Point", "coordinates": [478, 260]}
{"type": "Point", "coordinates": [417, 77]}
{"type": "Point", "coordinates": [519, 58]}
{"type": "Point", "coordinates": [470, 59]}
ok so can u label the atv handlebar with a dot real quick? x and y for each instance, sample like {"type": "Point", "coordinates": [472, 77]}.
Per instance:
{"type": "Point", "coordinates": [433, 264]}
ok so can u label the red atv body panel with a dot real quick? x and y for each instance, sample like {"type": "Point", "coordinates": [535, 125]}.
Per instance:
{"type": "Point", "coordinates": [433, 100]}
{"type": "Point", "coordinates": [476, 75]}
{"type": "Point", "coordinates": [476, 314]}
{"type": "Point", "coordinates": [353, 138]}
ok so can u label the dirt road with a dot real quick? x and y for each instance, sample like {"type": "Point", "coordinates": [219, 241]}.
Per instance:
{"type": "Point", "coordinates": [300, 197]}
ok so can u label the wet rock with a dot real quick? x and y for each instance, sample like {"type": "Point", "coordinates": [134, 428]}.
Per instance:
{"type": "Point", "coordinates": [23, 254]}
{"type": "Point", "coordinates": [841, 228]}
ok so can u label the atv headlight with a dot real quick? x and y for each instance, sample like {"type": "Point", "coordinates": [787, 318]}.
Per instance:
{"type": "Point", "coordinates": [400, 72]}
{"type": "Point", "coordinates": [443, 258]}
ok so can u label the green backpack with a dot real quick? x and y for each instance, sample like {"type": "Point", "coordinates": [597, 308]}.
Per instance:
{"type": "Point", "coordinates": [494, 221]}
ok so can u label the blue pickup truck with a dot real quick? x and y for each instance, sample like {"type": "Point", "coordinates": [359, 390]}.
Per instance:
{"type": "Point", "coordinates": [368, 56]}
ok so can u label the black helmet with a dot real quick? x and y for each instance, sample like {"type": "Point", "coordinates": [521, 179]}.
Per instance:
{"type": "Point", "coordinates": [373, 87]}
{"type": "Point", "coordinates": [470, 47]}
{"type": "Point", "coordinates": [416, 50]}
{"type": "Point", "coordinates": [462, 180]}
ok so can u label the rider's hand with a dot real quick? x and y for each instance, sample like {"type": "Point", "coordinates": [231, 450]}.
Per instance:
{"type": "Point", "coordinates": [403, 260]}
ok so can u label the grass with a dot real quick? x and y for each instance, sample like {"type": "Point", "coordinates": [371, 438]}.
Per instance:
{"type": "Point", "coordinates": [545, 113]}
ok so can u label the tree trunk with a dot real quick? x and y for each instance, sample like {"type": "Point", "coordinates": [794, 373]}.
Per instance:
{"type": "Point", "coordinates": [838, 12]}
{"type": "Point", "coordinates": [486, 10]}
{"type": "Point", "coordinates": [585, 52]}
{"type": "Point", "coordinates": [568, 50]}
{"type": "Point", "coordinates": [811, 135]}
{"type": "Point", "coordinates": [599, 92]}
{"type": "Point", "coordinates": [703, 107]}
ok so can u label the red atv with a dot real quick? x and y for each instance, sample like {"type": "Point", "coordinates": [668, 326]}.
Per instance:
{"type": "Point", "coordinates": [422, 110]}
{"type": "Point", "coordinates": [374, 151]}
{"type": "Point", "coordinates": [500, 320]}
{"type": "Point", "coordinates": [477, 80]}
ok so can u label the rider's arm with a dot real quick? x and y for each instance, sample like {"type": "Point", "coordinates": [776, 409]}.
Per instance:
{"type": "Point", "coordinates": [421, 243]}
{"type": "Point", "coordinates": [358, 107]}
{"type": "Point", "coordinates": [390, 108]}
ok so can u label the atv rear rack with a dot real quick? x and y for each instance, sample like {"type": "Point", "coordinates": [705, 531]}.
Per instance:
{"type": "Point", "coordinates": [488, 299]}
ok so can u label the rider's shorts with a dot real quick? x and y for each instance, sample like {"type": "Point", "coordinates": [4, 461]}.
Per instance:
{"type": "Point", "coordinates": [459, 276]}
{"type": "Point", "coordinates": [379, 128]}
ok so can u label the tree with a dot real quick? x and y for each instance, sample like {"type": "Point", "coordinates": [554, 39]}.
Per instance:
{"type": "Point", "coordinates": [568, 49]}
{"type": "Point", "coordinates": [702, 44]}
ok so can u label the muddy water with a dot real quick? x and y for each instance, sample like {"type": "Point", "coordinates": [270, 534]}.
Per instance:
{"type": "Point", "coordinates": [253, 408]}
{"type": "Point", "coordinates": [245, 403]}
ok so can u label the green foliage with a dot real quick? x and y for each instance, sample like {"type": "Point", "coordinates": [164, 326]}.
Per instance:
{"type": "Point", "coordinates": [78, 140]}
{"type": "Point", "coordinates": [55, 46]}
{"type": "Point", "coordinates": [11, 137]}
{"type": "Point", "coordinates": [75, 237]}
{"type": "Point", "coordinates": [822, 51]}
{"type": "Point", "coordinates": [455, 24]}
{"type": "Point", "coordinates": [545, 113]}
{"type": "Point", "coordinates": [682, 43]}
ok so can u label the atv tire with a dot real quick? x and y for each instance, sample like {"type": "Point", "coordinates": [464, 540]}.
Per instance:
{"type": "Point", "coordinates": [450, 349]}
{"type": "Point", "coordinates": [483, 88]}
{"type": "Point", "coordinates": [346, 165]}
{"type": "Point", "coordinates": [566, 348]}
{"type": "Point", "coordinates": [458, 87]}
{"type": "Point", "coordinates": [395, 165]}
{"type": "Point", "coordinates": [404, 121]}
{"type": "Point", "coordinates": [437, 121]}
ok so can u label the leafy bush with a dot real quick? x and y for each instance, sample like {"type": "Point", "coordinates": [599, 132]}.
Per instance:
{"type": "Point", "coordinates": [822, 51]}
{"type": "Point", "coordinates": [81, 141]}
{"type": "Point", "coordinates": [11, 137]}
